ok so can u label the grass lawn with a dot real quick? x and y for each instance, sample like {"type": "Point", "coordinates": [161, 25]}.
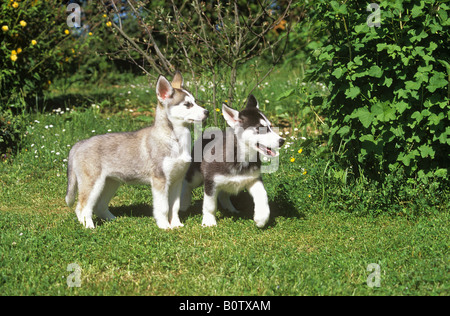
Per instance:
{"type": "Point", "coordinates": [318, 253]}
{"type": "Point", "coordinates": [314, 244]}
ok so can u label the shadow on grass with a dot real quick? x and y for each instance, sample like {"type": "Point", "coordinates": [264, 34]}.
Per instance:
{"type": "Point", "coordinates": [72, 99]}
{"type": "Point", "coordinates": [243, 202]}
{"type": "Point", "coordinates": [134, 210]}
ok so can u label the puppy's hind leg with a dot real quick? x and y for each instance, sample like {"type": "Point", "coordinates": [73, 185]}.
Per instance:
{"type": "Point", "coordinates": [186, 196]}
{"type": "Point", "coordinates": [88, 198]}
{"type": "Point", "coordinates": [84, 208]}
{"type": "Point", "coordinates": [83, 197]}
{"type": "Point", "coordinates": [190, 182]}
{"type": "Point", "coordinates": [224, 200]}
{"type": "Point", "coordinates": [109, 189]}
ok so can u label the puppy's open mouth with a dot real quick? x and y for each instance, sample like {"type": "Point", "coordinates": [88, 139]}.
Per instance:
{"type": "Point", "coordinates": [266, 151]}
{"type": "Point", "coordinates": [192, 121]}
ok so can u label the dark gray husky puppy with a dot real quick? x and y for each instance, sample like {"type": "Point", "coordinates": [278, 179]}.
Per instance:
{"type": "Point", "coordinates": [230, 163]}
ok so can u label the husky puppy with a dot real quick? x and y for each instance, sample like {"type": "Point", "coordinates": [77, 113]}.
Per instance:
{"type": "Point", "coordinates": [230, 163]}
{"type": "Point", "coordinates": [158, 155]}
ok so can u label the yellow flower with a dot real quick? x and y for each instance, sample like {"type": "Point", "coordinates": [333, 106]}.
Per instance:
{"type": "Point", "coordinates": [292, 159]}
{"type": "Point", "coordinates": [13, 52]}
{"type": "Point", "coordinates": [108, 24]}
{"type": "Point", "coordinates": [15, 5]}
{"type": "Point", "coordinates": [90, 33]}
{"type": "Point", "coordinates": [300, 150]}
{"type": "Point", "coordinates": [309, 195]}
{"type": "Point", "coordinates": [13, 57]}
{"type": "Point", "coordinates": [19, 50]}
{"type": "Point", "coordinates": [304, 172]}
{"type": "Point", "coordinates": [5, 28]}
{"type": "Point", "coordinates": [226, 101]}
{"type": "Point", "coordinates": [23, 23]}
{"type": "Point", "coordinates": [217, 110]}
{"type": "Point", "coordinates": [105, 16]}
{"type": "Point", "coordinates": [33, 42]}
{"type": "Point", "coordinates": [67, 32]}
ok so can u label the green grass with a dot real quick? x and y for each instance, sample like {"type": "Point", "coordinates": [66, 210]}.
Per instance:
{"type": "Point", "coordinates": [325, 228]}
{"type": "Point", "coordinates": [318, 254]}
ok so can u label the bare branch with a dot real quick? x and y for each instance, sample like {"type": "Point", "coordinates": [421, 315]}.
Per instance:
{"type": "Point", "coordinates": [214, 38]}
{"type": "Point", "coordinates": [167, 65]}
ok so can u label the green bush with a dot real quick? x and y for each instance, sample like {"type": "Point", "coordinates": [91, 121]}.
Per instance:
{"type": "Point", "coordinates": [31, 50]}
{"type": "Point", "coordinates": [10, 128]}
{"type": "Point", "coordinates": [388, 108]}
{"type": "Point", "coordinates": [36, 45]}
{"type": "Point", "coordinates": [93, 44]}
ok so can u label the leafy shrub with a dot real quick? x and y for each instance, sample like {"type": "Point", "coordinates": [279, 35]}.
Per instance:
{"type": "Point", "coordinates": [388, 109]}
{"type": "Point", "coordinates": [92, 45]}
{"type": "Point", "coordinates": [31, 52]}
{"type": "Point", "coordinates": [10, 128]}
{"type": "Point", "coordinates": [310, 180]}
{"type": "Point", "coordinates": [36, 45]}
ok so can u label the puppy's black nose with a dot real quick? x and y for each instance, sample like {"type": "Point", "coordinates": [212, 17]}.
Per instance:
{"type": "Point", "coordinates": [281, 141]}
{"type": "Point", "coordinates": [206, 112]}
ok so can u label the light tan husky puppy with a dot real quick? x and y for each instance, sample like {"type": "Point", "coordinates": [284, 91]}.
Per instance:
{"type": "Point", "coordinates": [158, 155]}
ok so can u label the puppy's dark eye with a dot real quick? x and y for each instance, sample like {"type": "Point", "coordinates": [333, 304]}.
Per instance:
{"type": "Point", "coordinates": [188, 105]}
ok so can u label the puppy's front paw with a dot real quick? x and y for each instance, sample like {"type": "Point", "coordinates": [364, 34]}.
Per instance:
{"type": "Point", "coordinates": [176, 224]}
{"type": "Point", "coordinates": [163, 224]}
{"type": "Point", "coordinates": [261, 221]}
{"type": "Point", "coordinates": [209, 221]}
{"type": "Point", "coordinates": [87, 222]}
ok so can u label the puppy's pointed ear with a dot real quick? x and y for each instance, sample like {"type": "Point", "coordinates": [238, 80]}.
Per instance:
{"type": "Point", "coordinates": [231, 116]}
{"type": "Point", "coordinates": [252, 102]}
{"type": "Point", "coordinates": [177, 81]}
{"type": "Point", "coordinates": [164, 90]}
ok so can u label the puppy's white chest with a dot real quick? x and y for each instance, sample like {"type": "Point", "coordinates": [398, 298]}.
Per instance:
{"type": "Point", "coordinates": [235, 183]}
{"type": "Point", "coordinates": [175, 165]}
{"type": "Point", "coordinates": [175, 168]}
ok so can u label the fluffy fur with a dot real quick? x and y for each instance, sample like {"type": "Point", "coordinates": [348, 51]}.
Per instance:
{"type": "Point", "coordinates": [158, 155]}
{"type": "Point", "coordinates": [230, 163]}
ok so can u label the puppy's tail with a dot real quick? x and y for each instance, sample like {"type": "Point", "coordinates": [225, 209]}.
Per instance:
{"type": "Point", "coordinates": [71, 184]}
